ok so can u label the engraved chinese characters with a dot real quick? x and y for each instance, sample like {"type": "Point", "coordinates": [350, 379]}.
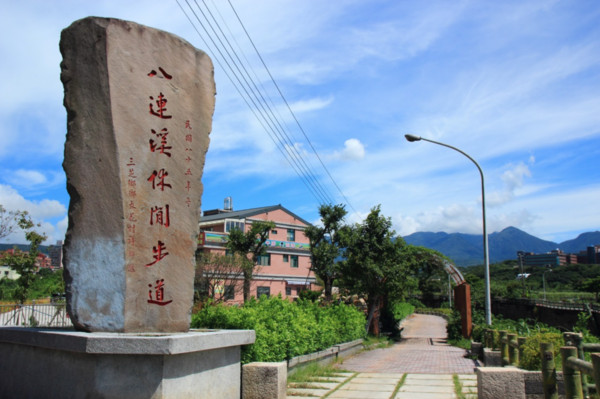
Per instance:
{"type": "Point", "coordinates": [140, 106]}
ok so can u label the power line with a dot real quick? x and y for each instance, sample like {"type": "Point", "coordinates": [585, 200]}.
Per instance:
{"type": "Point", "coordinates": [256, 99]}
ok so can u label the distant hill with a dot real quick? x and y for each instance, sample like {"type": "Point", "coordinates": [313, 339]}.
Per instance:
{"type": "Point", "coordinates": [23, 247]}
{"type": "Point", "coordinates": [580, 243]}
{"type": "Point", "coordinates": [467, 249]}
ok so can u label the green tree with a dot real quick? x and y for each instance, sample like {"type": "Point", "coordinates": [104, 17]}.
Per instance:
{"type": "Point", "coordinates": [11, 221]}
{"type": "Point", "coordinates": [250, 243]}
{"type": "Point", "coordinates": [427, 267]}
{"type": "Point", "coordinates": [592, 285]}
{"type": "Point", "coordinates": [24, 263]}
{"type": "Point", "coordinates": [217, 274]}
{"type": "Point", "coordinates": [325, 245]}
{"type": "Point", "coordinates": [374, 266]}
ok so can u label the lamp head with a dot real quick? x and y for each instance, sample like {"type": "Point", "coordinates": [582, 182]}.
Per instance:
{"type": "Point", "coordinates": [411, 137]}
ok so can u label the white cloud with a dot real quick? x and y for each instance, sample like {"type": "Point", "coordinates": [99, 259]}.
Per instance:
{"type": "Point", "coordinates": [353, 150]}
{"type": "Point", "coordinates": [39, 211]}
{"type": "Point", "coordinates": [513, 180]}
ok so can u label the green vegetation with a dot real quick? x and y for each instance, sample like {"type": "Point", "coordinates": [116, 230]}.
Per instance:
{"type": "Point", "coordinates": [574, 283]}
{"type": "Point", "coordinates": [325, 245]}
{"type": "Point", "coordinates": [250, 243]}
{"type": "Point", "coordinates": [285, 329]}
{"type": "Point", "coordinates": [313, 371]}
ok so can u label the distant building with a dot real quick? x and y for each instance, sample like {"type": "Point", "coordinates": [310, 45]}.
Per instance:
{"type": "Point", "coordinates": [285, 269]}
{"type": "Point", "coordinates": [559, 258]}
{"type": "Point", "coordinates": [552, 259]}
{"type": "Point", "coordinates": [42, 260]}
{"type": "Point", "coordinates": [55, 253]}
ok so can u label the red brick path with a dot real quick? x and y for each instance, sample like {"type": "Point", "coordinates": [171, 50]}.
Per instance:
{"type": "Point", "coordinates": [423, 349]}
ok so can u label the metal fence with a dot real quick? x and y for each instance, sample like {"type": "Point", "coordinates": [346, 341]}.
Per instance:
{"type": "Point", "coordinates": [35, 315]}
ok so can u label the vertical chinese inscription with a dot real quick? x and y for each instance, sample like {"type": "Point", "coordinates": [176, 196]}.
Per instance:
{"type": "Point", "coordinates": [140, 104]}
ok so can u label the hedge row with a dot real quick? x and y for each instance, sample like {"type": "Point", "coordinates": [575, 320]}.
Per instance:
{"type": "Point", "coordinates": [285, 329]}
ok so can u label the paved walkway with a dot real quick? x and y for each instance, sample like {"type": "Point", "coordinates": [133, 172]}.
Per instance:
{"type": "Point", "coordinates": [421, 365]}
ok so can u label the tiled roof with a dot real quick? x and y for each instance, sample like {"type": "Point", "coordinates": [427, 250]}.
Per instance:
{"type": "Point", "coordinates": [246, 213]}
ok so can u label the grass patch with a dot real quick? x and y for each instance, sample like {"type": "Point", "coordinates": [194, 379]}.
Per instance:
{"type": "Point", "coordinates": [399, 385]}
{"type": "Point", "coordinates": [372, 342]}
{"type": "Point", "coordinates": [311, 372]}
{"type": "Point", "coordinates": [458, 387]}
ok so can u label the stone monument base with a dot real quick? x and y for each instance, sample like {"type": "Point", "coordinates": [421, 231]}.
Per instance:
{"type": "Point", "coordinates": [55, 363]}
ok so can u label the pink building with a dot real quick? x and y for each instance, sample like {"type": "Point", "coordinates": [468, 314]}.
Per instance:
{"type": "Point", "coordinates": [285, 269]}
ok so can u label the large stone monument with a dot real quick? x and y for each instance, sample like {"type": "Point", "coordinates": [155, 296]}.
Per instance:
{"type": "Point", "coordinates": [139, 104]}
{"type": "Point", "coordinates": [139, 110]}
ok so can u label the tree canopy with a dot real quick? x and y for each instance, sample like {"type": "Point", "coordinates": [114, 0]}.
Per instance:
{"type": "Point", "coordinates": [325, 245]}
{"type": "Point", "coordinates": [250, 243]}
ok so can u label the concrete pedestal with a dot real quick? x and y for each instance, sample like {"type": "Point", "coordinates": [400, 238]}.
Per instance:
{"type": "Point", "coordinates": [53, 363]}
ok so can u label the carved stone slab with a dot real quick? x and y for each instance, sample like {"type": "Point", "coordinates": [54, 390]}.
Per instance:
{"type": "Point", "coordinates": [139, 103]}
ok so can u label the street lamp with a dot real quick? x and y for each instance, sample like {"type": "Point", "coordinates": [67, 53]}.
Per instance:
{"type": "Point", "coordinates": [488, 298]}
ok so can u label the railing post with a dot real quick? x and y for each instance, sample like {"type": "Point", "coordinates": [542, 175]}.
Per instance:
{"type": "Point", "coordinates": [521, 341]}
{"type": "Point", "coordinates": [596, 364]}
{"type": "Point", "coordinates": [504, 347]}
{"type": "Point", "coordinates": [572, 376]}
{"type": "Point", "coordinates": [548, 371]}
{"type": "Point", "coordinates": [513, 353]}
{"type": "Point", "coordinates": [576, 340]}
{"type": "Point", "coordinates": [488, 338]}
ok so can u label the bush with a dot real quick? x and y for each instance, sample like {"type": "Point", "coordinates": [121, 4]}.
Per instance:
{"type": "Point", "coordinates": [531, 350]}
{"type": "Point", "coordinates": [285, 329]}
{"type": "Point", "coordinates": [401, 310]}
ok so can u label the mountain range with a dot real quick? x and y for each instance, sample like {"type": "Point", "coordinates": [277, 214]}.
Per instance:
{"type": "Point", "coordinates": [467, 249]}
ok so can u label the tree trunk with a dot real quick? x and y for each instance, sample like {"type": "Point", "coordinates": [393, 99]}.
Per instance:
{"type": "Point", "coordinates": [247, 280]}
{"type": "Point", "coordinates": [373, 318]}
{"type": "Point", "coordinates": [328, 289]}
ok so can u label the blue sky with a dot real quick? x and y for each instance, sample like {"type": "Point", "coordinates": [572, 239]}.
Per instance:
{"type": "Point", "coordinates": [514, 84]}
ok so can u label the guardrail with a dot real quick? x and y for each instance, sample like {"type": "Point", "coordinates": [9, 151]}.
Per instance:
{"type": "Point", "coordinates": [34, 315]}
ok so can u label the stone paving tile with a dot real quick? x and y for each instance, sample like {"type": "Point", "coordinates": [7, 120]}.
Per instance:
{"type": "Point", "coordinates": [314, 385]}
{"type": "Point", "coordinates": [339, 394]}
{"type": "Point", "coordinates": [375, 381]}
{"type": "Point", "coordinates": [422, 354]}
{"type": "Point", "coordinates": [307, 392]}
{"type": "Point", "coordinates": [427, 388]}
{"type": "Point", "coordinates": [329, 379]}
{"type": "Point", "coordinates": [424, 395]}
{"type": "Point", "coordinates": [368, 387]}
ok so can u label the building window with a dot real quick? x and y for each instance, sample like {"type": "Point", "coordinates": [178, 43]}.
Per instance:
{"type": "Point", "coordinates": [229, 292]}
{"type": "Point", "coordinates": [232, 224]}
{"type": "Point", "coordinates": [264, 260]}
{"type": "Point", "coordinates": [291, 235]}
{"type": "Point", "coordinates": [294, 261]}
{"type": "Point", "coordinates": [288, 290]}
{"type": "Point", "coordinates": [286, 258]}
{"type": "Point", "coordinates": [260, 291]}
{"type": "Point", "coordinates": [274, 232]}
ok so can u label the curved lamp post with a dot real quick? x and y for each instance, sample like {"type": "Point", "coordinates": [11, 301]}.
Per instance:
{"type": "Point", "coordinates": [488, 301]}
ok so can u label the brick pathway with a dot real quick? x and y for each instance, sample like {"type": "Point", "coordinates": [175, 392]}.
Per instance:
{"type": "Point", "coordinates": [423, 349]}
{"type": "Point", "coordinates": [421, 366]}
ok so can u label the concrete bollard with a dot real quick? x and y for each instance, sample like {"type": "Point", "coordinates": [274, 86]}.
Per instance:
{"type": "Point", "coordinates": [548, 371]}
{"type": "Point", "coordinates": [263, 380]}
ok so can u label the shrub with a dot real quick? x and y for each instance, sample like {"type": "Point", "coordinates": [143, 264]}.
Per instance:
{"type": "Point", "coordinates": [531, 350]}
{"type": "Point", "coordinates": [401, 310]}
{"type": "Point", "coordinates": [285, 329]}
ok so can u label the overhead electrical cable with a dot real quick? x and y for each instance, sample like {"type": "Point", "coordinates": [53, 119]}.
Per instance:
{"type": "Point", "coordinates": [254, 111]}
{"type": "Point", "coordinates": [287, 105]}
{"type": "Point", "coordinates": [258, 99]}
{"type": "Point", "coordinates": [279, 130]}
